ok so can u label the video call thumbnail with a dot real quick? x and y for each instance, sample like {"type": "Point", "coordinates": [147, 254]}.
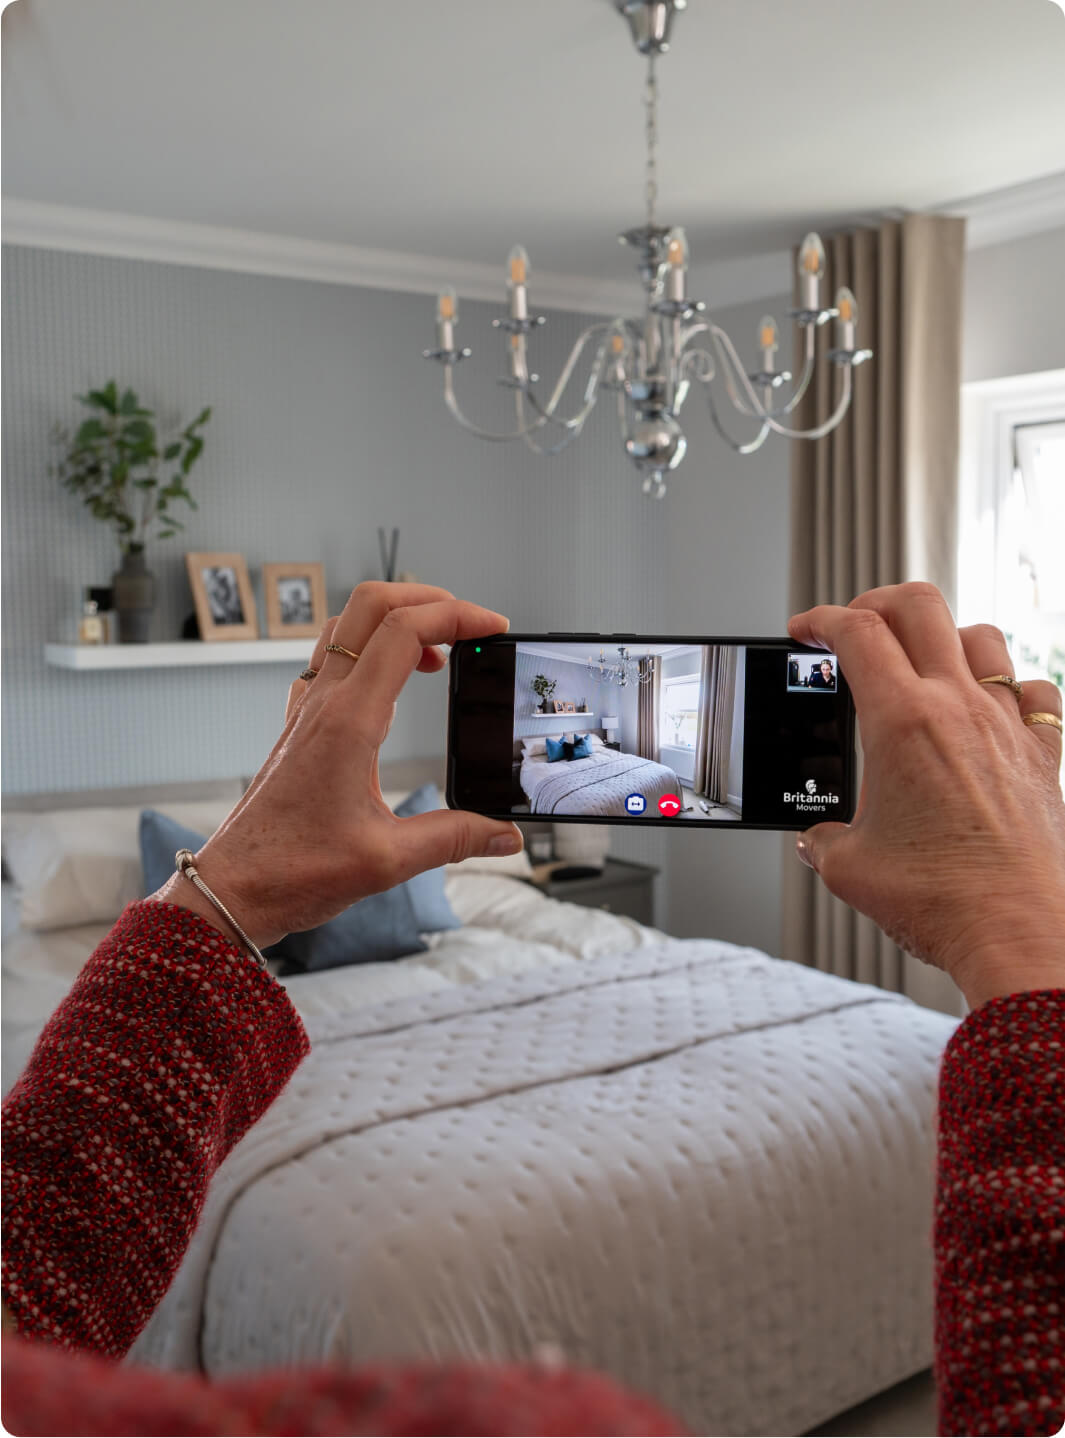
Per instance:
{"type": "Point", "coordinates": [812, 672]}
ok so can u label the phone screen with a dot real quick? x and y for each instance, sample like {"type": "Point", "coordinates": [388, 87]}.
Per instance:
{"type": "Point", "coordinates": [744, 732]}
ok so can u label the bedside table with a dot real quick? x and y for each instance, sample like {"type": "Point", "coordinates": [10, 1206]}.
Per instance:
{"type": "Point", "coordinates": [615, 745]}
{"type": "Point", "coordinates": [622, 888]}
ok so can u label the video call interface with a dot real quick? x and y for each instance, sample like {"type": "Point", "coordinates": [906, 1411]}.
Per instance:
{"type": "Point", "coordinates": [693, 733]}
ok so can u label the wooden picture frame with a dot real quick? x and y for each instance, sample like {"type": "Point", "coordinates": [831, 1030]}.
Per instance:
{"type": "Point", "coordinates": [296, 605]}
{"type": "Point", "coordinates": [560, 706]}
{"type": "Point", "coordinates": [569, 707]}
{"type": "Point", "coordinates": [222, 593]}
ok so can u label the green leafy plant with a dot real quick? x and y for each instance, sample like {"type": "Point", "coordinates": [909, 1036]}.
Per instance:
{"type": "Point", "coordinates": [544, 687]}
{"type": "Point", "coordinates": [114, 461]}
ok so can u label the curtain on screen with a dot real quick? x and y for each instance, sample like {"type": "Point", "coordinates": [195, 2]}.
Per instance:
{"type": "Point", "coordinates": [717, 698]}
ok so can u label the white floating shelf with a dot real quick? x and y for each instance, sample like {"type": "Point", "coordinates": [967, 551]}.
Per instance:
{"type": "Point", "coordinates": [580, 714]}
{"type": "Point", "coordinates": [186, 654]}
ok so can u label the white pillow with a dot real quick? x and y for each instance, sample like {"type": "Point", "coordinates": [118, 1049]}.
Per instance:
{"type": "Point", "coordinates": [534, 746]}
{"type": "Point", "coordinates": [596, 741]}
{"type": "Point", "coordinates": [83, 866]}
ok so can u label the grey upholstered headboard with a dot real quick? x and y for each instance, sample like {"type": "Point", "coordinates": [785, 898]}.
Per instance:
{"type": "Point", "coordinates": [395, 774]}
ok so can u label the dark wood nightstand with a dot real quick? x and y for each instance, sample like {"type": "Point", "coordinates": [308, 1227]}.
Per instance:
{"type": "Point", "coordinates": [615, 745]}
{"type": "Point", "coordinates": [622, 888]}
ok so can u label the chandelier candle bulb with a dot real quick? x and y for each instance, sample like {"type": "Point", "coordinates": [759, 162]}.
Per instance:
{"type": "Point", "coordinates": [517, 279]}
{"type": "Point", "coordinates": [677, 256]}
{"type": "Point", "coordinates": [811, 269]}
{"type": "Point", "coordinates": [447, 314]}
{"type": "Point", "coordinates": [846, 320]}
{"type": "Point", "coordinates": [769, 342]}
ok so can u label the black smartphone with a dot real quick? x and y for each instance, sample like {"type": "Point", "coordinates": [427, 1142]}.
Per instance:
{"type": "Point", "coordinates": [650, 729]}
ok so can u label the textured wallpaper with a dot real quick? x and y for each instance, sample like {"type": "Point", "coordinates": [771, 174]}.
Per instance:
{"type": "Point", "coordinates": [327, 423]}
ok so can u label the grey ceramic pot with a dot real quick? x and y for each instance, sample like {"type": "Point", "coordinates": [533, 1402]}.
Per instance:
{"type": "Point", "coordinates": [134, 598]}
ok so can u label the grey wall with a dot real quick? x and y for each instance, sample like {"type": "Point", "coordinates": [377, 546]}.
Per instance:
{"type": "Point", "coordinates": [1015, 308]}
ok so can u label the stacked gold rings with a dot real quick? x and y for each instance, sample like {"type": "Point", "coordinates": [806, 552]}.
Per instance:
{"type": "Point", "coordinates": [1017, 689]}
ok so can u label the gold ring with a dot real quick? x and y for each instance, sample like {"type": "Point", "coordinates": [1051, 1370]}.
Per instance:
{"type": "Point", "coordinates": [1006, 679]}
{"type": "Point", "coordinates": [308, 674]}
{"type": "Point", "coordinates": [339, 649]}
{"type": "Point", "coordinates": [1051, 719]}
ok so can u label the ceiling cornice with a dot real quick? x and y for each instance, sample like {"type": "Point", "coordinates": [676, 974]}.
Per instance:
{"type": "Point", "coordinates": [1010, 214]}
{"type": "Point", "coordinates": [178, 242]}
{"type": "Point", "coordinates": [993, 219]}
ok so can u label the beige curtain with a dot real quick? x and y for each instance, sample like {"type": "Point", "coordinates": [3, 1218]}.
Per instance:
{"type": "Point", "coordinates": [875, 502]}
{"type": "Point", "coordinates": [717, 698]}
{"type": "Point", "coordinates": [647, 711]}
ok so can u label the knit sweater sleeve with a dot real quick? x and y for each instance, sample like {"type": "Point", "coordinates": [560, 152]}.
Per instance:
{"type": "Point", "coordinates": [1000, 1220]}
{"type": "Point", "coordinates": [169, 1046]}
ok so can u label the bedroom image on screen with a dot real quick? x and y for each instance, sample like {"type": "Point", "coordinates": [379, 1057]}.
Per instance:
{"type": "Point", "coordinates": [635, 731]}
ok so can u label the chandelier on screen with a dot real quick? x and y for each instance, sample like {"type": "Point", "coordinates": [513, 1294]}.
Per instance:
{"type": "Point", "coordinates": [623, 671]}
{"type": "Point", "coordinates": [650, 362]}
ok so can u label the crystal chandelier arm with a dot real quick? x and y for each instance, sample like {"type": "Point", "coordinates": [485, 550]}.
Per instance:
{"type": "Point", "coordinates": [453, 406]}
{"type": "Point", "coordinates": [752, 445]}
{"type": "Point", "coordinates": [547, 411]}
{"type": "Point", "coordinates": [727, 349]}
{"type": "Point", "coordinates": [568, 436]}
{"type": "Point", "coordinates": [731, 363]}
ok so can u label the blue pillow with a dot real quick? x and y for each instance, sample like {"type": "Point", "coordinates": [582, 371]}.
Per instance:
{"type": "Point", "coordinates": [581, 748]}
{"type": "Point", "coordinates": [431, 908]}
{"type": "Point", "coordinates": [556, 749]}
{"type": "Point", "coordinates": [377, 929]}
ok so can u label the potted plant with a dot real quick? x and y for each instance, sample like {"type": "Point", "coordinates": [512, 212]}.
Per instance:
{"type": "Point", "coordinates": [545, 688]}
{"type": "Point", "coordinates": [113, 462]}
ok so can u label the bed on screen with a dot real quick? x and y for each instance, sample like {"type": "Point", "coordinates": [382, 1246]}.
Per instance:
{"type": "Point", "coordinates": [693, 1166]}
{"type": "Point", "coordinates": [597, 785]}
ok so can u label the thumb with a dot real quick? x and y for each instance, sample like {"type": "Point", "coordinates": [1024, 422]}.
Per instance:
{"type": "Point", "coordinates": [447, 836]}
{"type": "Point", "coordinates": [813, 845]}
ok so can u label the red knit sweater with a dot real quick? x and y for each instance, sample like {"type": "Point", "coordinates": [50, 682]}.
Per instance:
{"type": "Point", "coordinates": [172, 1043]}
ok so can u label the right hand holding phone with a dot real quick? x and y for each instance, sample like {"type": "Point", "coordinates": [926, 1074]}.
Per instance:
{"type": "Point", "coordinates": [957, 848]}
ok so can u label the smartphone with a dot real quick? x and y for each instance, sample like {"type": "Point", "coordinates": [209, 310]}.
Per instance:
{"type": "Point", "coordinates": [650, 729]}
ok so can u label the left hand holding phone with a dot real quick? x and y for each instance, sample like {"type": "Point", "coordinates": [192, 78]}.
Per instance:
{"type": "Point", "coordinates": [313, 835]}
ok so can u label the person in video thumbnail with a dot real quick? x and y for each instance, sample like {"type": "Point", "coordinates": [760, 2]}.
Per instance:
{"type": "Point", "coordinates": [823, 677]}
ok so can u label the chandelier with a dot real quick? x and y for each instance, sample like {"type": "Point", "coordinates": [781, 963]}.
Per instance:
{"type": "Point", "coordinates": [652, 361]}
{"type": "Point", "coordinates": [623, 671]}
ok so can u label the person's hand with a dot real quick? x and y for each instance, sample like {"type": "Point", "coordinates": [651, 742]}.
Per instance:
{"type": "Point", "coordinates": [957, 849]}
{"type": "Point", "coordinates": [312, 835]}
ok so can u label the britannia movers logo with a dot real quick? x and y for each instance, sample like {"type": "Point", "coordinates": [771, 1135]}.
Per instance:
{"type": "Point", "coordinates": [808, 800]}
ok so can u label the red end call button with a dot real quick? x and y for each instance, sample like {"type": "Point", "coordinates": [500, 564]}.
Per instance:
{"type": "Point", "coordinates": [669, 806]}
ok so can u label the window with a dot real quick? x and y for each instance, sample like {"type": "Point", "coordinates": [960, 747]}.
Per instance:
{"type": "Point", "coordinates": [679, 712]}
{"type": "Point", "coordinates": [1011, 562]}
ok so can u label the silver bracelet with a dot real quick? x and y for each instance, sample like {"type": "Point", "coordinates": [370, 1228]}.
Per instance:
{"type": "Point", "coordinates": [185, 859]}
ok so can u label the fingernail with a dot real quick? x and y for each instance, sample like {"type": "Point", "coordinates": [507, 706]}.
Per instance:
{"type": "Point", "coordinates": [503, 844]}
{"type": "Point", "coordinates": [804, 851]}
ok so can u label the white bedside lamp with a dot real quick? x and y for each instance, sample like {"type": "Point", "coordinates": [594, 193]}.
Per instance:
{"type": "Point", "coordinates": [609, 722]}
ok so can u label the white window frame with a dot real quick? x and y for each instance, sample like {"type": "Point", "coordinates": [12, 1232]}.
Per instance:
{"type": "Point", "coordinates": [675, 679]}
{"type": "Point", "coordinates": [990, 412]}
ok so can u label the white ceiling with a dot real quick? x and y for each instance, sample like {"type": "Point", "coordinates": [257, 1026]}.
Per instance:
{"type": "Point", "coordinates": [452, 128]}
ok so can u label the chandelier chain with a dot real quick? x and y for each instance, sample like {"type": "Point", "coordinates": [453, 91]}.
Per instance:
{"type": "Point", "coordinates": [651, 130]}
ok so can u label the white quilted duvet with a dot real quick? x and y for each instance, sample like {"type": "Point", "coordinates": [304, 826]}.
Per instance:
{"type": "Point", "coordinates": [702, 1170]}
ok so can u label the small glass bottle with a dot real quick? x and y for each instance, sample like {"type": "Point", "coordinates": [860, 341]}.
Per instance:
{"type": "Point", "coordinates": [93, 627]}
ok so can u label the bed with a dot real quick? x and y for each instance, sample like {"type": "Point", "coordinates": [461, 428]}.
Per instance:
{"type": "Point", "coordinates": [597, 785]}
{"type": "Point", "coordinates": [691, 1165]}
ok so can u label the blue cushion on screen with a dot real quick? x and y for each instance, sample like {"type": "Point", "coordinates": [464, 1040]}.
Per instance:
{"type": "Point", "coordinates": [556, 749]}
{"type": "Point", "coordinates": [581, 749]}
{"type": "Point", "coordinates": [377, 929]}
